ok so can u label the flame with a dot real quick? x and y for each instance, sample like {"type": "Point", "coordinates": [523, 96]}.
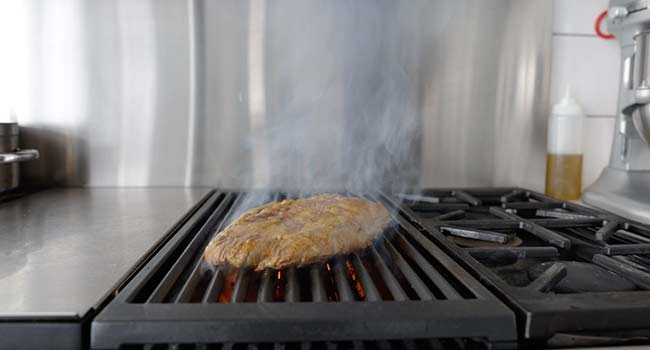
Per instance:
{"type": "Point", "coordinates": [357, 283]}
{"type": "Point", "coordinates": [351, 271]}
{"type": "Point", "coordinates": [278, 293]}
{"type": "Point", "coordinates": [327, 266]}
{"type": "Point", "coordinates": [226, 292]}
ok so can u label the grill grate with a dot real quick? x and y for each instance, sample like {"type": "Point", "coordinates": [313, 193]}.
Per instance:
{"type": "Point", "coordinates": [402, 264]}
{"type": "Point", "coordinates": [402, 287]}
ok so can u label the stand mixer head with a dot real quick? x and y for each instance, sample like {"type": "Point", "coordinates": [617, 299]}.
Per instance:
{"type": "Point", "coordinates": [639, 96]}
{"type": "Point", "coordinates": [624, 186]}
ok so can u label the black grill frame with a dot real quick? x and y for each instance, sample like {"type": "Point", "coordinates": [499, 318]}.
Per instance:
{"type": "Point", "coordinates": [124, 321]}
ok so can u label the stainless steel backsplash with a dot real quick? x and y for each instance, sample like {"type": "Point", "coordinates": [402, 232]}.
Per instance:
{"type": "Point", "coordinates": [287, 93]}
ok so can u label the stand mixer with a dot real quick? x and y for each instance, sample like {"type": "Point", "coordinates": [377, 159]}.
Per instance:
{"type": "Point", "coordinates": [624, 185]}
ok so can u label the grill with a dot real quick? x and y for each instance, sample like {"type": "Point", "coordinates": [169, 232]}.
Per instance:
{"type": "Point", "coordinates": [401, 290]}
{"type": "Point", "coordinates": [576, 277]}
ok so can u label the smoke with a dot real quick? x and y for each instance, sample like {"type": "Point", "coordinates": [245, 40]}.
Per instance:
{"type": "Point", "coordinates": [333, 97]}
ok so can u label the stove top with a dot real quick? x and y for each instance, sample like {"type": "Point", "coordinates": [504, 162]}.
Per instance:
{"type": "Point", "coordinates": [569, 272]}
{"type": "Point", "coordinates": [472, 268]}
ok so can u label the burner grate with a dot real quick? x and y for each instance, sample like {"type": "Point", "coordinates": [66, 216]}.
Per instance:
{"type": "Point", "coordinates": [562, 236]}
{"type": "Point", "coordinates": [402, 287]}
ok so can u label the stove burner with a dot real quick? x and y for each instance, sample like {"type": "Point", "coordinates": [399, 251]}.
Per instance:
{"type": "Point", "coordinates": [577, 269]}
{"type": "Point", "coordinates": [583, 277]}
{"type": "Point", "coordinates": [515, 273]}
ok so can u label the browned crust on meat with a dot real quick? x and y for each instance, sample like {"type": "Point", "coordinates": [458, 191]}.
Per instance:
{"type": "Point", "coordinates": [298, 232]}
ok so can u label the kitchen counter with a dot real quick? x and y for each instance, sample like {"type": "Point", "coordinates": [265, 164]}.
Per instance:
{"type": "Point", "coordinates": [63, 250]}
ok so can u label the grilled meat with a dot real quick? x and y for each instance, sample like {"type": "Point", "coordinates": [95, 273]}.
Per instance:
{"type": "Point", "coordinates": [298, 232]}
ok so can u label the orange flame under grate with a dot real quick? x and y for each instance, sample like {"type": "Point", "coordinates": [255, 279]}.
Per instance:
{"type": "Point", "coordinates": [226, 292]}
{"type": "Point", "coordinates": [355, 280]}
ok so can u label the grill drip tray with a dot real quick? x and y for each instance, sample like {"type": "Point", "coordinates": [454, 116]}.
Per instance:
{"type": "Point", "coordinates": [404, 291]}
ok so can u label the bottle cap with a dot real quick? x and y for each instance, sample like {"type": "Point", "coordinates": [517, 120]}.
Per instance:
{"type": "Point", "coordinates": [568, 105]}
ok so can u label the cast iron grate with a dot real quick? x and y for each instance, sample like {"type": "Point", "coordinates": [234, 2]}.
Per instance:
{"type": "Point", "coordinates": [478, 224]}
{"type": "Point", "coordinates": [403, 287]}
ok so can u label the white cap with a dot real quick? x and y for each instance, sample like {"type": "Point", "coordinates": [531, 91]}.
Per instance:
{"type": "Point", "coordinates": [565, 127]}
{"type": "Point", "coordinates": [568, 105]}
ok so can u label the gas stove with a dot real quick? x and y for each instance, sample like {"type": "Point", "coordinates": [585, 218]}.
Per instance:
{"type": "Point", "coordinates": [459, 268]}
{"type": "Point", "coordinates": [573, 275]}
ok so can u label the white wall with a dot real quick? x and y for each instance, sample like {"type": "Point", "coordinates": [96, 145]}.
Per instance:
{"type": "Point", "coordinates": [590, 65]}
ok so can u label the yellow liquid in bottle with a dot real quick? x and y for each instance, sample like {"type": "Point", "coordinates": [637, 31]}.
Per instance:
{"type": "Point", "coordinates": [564, 176]}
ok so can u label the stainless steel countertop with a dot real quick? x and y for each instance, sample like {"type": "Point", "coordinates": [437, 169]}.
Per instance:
{"type": "Point", "coordinates": [62, 250]}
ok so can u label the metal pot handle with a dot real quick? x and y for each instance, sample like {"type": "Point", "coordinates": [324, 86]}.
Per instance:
{"type": "Point", "coordinates": [19, 156]}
